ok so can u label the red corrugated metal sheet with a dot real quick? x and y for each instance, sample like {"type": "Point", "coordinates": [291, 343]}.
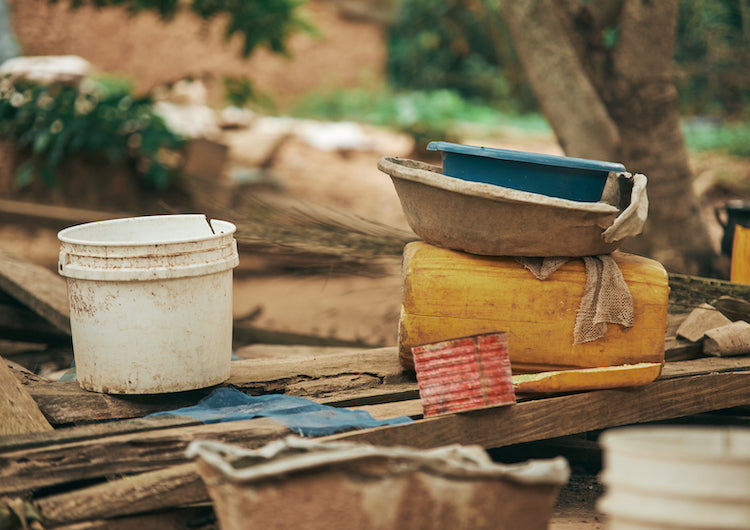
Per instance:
{"type": "Point", "coordinates": [463, 374]}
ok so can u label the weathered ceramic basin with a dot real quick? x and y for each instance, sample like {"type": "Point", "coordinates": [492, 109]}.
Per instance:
{"type": "Point", "coordinates": [486, 219]}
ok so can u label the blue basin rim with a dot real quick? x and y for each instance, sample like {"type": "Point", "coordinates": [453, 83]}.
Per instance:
{"type": "Point", "coordinates": [531, 158]}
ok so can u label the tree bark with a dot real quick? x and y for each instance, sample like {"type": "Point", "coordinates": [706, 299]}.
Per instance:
{"type": "Point", "coordinates": [618, 103]}
{"type": "Point", "coordinates": [645, 108]}
{"type": "Point", "coordinates": [568, 99]}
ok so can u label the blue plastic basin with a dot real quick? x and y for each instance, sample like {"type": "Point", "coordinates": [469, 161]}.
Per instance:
{"type": "Point", "coordinates": [575, 179]}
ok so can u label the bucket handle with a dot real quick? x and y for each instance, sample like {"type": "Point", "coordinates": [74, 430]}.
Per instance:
{"type": "Point", "coordinates": [62, 260]}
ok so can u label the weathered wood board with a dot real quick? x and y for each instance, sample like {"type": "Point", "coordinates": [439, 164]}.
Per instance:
{"type": "Point", "coordinates": [171, 487]}
{"type": "Point", "coordinates": [39, 289]}
{"type": "Point", "coordinates": [19, 413]}
{"type": "Point", "coordinates": [685, 388]}
{"type": "Point", "coordinates": [560, 416]}
{"type": "Point", "coordinates": [26, 469]}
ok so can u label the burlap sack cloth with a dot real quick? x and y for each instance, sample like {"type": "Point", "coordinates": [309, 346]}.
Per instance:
{"type": "Point", "coordinates": [606, 297]}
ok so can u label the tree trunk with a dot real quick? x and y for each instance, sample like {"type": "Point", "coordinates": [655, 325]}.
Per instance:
{"type": "Point", "coordinates": [564, 91]}
{"type": "Point", "coordinates": [618, 103]}
{"type": "Point", "coordinates": [645, 109]}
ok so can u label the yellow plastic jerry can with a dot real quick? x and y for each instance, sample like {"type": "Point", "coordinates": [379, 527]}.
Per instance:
{"type": "Point", "coordinates": [449, 294]}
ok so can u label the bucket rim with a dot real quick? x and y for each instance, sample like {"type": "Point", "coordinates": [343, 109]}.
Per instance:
{"type": "Point", "coordinates": [660, 442]}
{"type": "Point", "coordinates": [64, 235]}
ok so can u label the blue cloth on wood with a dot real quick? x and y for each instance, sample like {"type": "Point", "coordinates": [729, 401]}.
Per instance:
{"type": "Point", "coordinates": [301, 415]}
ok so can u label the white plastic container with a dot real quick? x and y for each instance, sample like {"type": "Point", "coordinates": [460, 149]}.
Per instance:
{"type": "Point", "coordinates": [150, 302]}
{"type": "Point", "coordinates": [694, 478]}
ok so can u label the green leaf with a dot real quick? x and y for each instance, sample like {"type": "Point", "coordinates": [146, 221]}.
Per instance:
{"type": "Point", "coordinates": [25, 174]}
{"type": "Point", "coordinates": [48, 176]}
{"type": "Point", "coordinates": [41, 142]}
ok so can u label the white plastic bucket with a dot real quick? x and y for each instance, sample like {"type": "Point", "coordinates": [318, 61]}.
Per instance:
{"type": "Point", "coordinates": [150, 302]}
{"type": "Point", "coordinates": [677, 477]}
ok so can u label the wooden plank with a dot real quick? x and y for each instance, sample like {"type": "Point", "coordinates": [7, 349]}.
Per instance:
{"type": "Point", "coordinates": [687, 292]}
{"type": "Point", "coordinates": [67, 403]}
{"type": "Point", "coordinates": [172, 487]}
{"type": "Point", "coordinates": [561, 416]}
{"type": "Point", "coordinates": [674, 370]}
{"type": "Point", "coordinates": [194, 517]}
{"type": "Point", "coordinates": [93, 431]}
{"type": "Point", "coordinates": [23, 374]}
{"type": "Point", "coordinates": [705, 365]}
{"type": "Point", "coordinates": [22, 324]}
{"type": "Point", "coordinates": [380, 362]}
{"type": "Point", "coordinates": [340, 377]}
{"type": "Point", "coordinates": [19, 413]}
{"type": "Point", "coordinates": [344, 377]}
{"type": "Point", "coordinates": [53, 360]}
{"type": "Point", "coordinates": [48, 215]}
{"type": "Point", "coordinates": [37, 288]}
{"type": "Point", "coordinates": [23, 470]}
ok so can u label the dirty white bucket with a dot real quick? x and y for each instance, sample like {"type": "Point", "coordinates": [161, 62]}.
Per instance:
{"type": "Point", "coordinates": [150, 302]}
{"type": "Point", "coordinates": [677, 477]}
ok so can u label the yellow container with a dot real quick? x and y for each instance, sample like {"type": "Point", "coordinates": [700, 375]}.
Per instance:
{"type": "Point", "coordinates": [449, 294]}
{"type": "Point", "coordinates": [740, 270]}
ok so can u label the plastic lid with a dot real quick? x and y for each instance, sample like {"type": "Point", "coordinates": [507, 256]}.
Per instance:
{"type": "Point", "coordinates": [522, 156]}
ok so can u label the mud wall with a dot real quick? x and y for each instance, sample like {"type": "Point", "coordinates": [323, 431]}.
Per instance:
{"type": "Point", "coordinates": [348, 52]}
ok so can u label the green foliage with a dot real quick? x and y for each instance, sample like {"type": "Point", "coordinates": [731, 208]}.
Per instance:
{"type": "Point", "coordinates": [713, 54]}
{"type": "Point", "coordinates": [238, 91]}
{"type": "Point", "coordinates": [460, 45]}
{"type": "Point", "coordinates": [465, 45]}
{"type": "Point", "coordinates": [260, 23]}
{"type": "Point", "coordinates": [269, 22]}
{"type": "Point", "coordinates": [426, 115]}
{"type": "Point", "coordinates": [58, 121]}
{"type": "Point", "coordinates": [734, 139]}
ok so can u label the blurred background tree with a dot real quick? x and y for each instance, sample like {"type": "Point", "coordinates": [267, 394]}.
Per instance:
{"type": "Point", "coordinates": [267, 23]}
{"type": "Point", "coordinates": [606, 75]}
{"type": "Point", "coordinates": [712, 54]}
{"type": "Point", "coordinates": [615, 79]}
{"type": "Point", "coordinates": [466, 46]}
{"type": "Point", "coordinates": [459, 45]}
